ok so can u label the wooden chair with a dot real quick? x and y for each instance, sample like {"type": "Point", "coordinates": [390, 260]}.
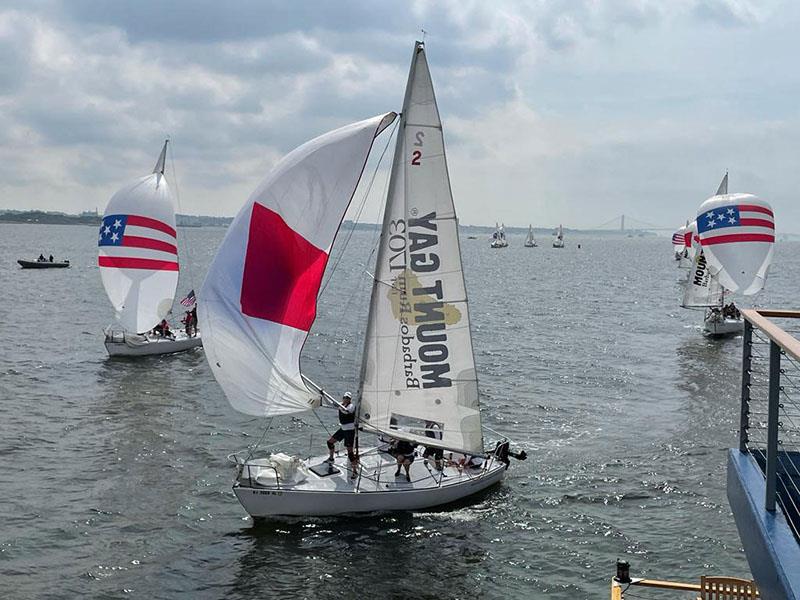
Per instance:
{"type": "Point", "coordinates": [727, 588]}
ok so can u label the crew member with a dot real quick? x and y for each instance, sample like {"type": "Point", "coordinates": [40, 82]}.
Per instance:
{"type": "Point", "coordinates": [404, 454]}
{"type": "Point", "coordinates": [346, 432]}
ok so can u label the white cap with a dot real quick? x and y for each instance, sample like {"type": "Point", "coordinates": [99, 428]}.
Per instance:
{"type": "Point", "coordinates": [347, 396]}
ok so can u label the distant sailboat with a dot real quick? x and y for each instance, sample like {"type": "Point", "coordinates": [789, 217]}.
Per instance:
{"type": "Point", "coordinates": [559, 241]}
{"type": "Point", "coordinates": [530, 242]}
{"type": "Point", "coordinates": [138, 260]}
{"type": "Point", "coordinates": [418, 378]}
{"type": "Point", "coordinates": [499, 237]}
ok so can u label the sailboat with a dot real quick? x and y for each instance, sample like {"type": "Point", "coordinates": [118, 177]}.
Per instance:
{"type": "Point", "coordinates": [499, 237]}
{"type": "Point", "coordinates": [418, 379]}
{"type": "Point", "coordinates": [702, 290]}
{"type": "Point", "coordinates": [677, 243]}
{"type": "Point", "coordinates": [559, 241]}
{"type": "Point", "coordinates": [737, 235]}
{"type": "Point", "coordinates": [529, 241]}
{"type": "Point", "coordinates": [138, 260]}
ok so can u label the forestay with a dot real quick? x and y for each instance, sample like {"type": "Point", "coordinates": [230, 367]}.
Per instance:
{"type": "Point", "coordinates": [702, 290]}
{"type": "Point", "coordinates": [259, 297]}
{"type": "Point", "coordinates": [737, 232]}
{"type": "Point", "coordinates": [137, 251]}
{"type": "Point", "coordinates": [418, 378]}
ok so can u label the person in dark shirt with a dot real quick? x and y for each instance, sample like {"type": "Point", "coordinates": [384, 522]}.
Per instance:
{"type": "Point", "coordinates": [404, 454]}
{"type": "Point", "coordinates": [346, 432]}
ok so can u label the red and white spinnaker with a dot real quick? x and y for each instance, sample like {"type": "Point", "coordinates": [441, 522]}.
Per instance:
{"type": "Point", "coordinates": [259, 298]}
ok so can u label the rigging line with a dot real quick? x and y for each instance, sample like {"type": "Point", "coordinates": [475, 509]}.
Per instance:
{"type": "Point", "coordinates": [357, 290]}
{"type": "Point", "coordinates": [321, 423]}
{"type": "Point", "coordinates": [186, 244]}
{"type": "Point", "coordinates": [255, 446]}
{"type": "Point", "coordinates": [360, 209]}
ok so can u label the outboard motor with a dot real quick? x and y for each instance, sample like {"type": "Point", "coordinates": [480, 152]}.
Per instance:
{"type": "Point", "coordinates": [503, 450]}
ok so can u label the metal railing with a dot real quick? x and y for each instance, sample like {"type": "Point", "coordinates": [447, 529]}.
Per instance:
{"type": "Point", "coordinates": [770, 408]}
{"type": "Point", "coordinates": [363, 473]}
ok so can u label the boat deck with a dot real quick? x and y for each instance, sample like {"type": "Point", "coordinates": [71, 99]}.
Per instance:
{"type": "Point", "coordinates": [376, 472]}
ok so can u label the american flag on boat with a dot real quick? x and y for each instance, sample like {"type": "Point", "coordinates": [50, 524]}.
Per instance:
{"type": "Point", "coordinates": [137, 242]}
{"type": "Point", "coordinates": [736, 223]}
{"type": "Point", "coordinates": [677, 238]}
{"type": "Point", "coordinates": [189, 300]}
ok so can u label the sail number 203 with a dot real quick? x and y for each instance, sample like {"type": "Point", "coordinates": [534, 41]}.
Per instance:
{"type": "Point", "coordinates": [416, 155]}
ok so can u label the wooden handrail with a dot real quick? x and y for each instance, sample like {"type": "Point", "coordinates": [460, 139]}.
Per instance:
{"type": "Point", "coordinates": [785, 340]}
{"type": "Point", "coordinates": [675, 586]}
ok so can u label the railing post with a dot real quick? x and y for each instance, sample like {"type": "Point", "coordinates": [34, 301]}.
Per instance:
{"type": "Point", "coordinates": [747, 363]}
{"type": "Point", "coordinates": [772, 423]}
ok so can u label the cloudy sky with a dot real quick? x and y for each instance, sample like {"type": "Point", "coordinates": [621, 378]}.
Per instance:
{"type": "Point", "coordinates": [568, 111]}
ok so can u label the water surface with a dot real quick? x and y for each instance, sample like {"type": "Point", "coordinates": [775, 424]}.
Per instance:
{"type": "Point", "coordinates": [114, 479]}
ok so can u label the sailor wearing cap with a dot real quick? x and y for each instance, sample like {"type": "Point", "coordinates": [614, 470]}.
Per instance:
{"type": "Point", "coordinates": [346, 431]}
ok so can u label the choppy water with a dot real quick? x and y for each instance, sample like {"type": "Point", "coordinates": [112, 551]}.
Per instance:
{"type": "Point", "coordinates": [114, 480]}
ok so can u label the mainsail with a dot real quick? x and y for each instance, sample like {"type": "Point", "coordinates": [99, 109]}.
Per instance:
{"type": "Point", "coordinates": [737, 232]}
{"type": "Point", "coordinates": [723, 186]}
{"type": "Point", "coordinates": [137, 251]}
{"type": "Point", "coordinates": [259, 298]}
{"type": "Point", "coordinates": [702, 289]}
{"type": "Point", "coordinates": [530, 240]}
{"type": "Point", "coordinates": [418, 374]}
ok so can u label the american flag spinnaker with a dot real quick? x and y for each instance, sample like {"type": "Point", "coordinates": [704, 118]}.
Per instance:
{"type": "Point", "coordinates": [138, 252]}
{"type": "Point", "coordinates": [737, 233]}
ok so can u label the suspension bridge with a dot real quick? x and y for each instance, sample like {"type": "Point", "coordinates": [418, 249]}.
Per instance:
{"type": "Point", "coordinates": [627, 223]}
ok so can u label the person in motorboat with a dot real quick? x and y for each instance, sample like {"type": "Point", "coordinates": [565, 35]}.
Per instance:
{"type": "Point", "coordinates": [41, 258]}
{"type": "Point", "coordinates": [403, 452]}
{"type": "Point", "coordinates": [51, 258]}
{"type": "Point", "coordinates": [346, 432]}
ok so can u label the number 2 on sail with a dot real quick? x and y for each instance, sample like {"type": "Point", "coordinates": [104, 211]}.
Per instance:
{"type": "Point", "coordinates": [416, 155]}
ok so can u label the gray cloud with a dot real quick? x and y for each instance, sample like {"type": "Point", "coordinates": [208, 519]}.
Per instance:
{"type": "Point", "coordinates": [539, 99]}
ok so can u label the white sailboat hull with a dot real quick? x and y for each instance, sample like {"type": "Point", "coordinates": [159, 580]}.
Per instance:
{"type": "Point", "coordinates": [716, 325]}
{"type": "Point", "coordinates": [124, 344]}
{"type": "Point", "coordinates": [496, 244]}
{"type": "Point", "coordinates": [376, 490]}
{"type": "Point", "coordinates": [724, 327]}
{"type": "Point", "coordinates": [558, 244]}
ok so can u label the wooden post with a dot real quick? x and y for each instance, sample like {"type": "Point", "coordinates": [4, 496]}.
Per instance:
{"type": "Point", "coordinates": [747, 363]}
{"type": "Point", "coordinates": [772, 423]}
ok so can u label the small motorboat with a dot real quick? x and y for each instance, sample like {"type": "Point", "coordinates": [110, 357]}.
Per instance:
{"type": "Point", "coordinates": [43, 264]}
